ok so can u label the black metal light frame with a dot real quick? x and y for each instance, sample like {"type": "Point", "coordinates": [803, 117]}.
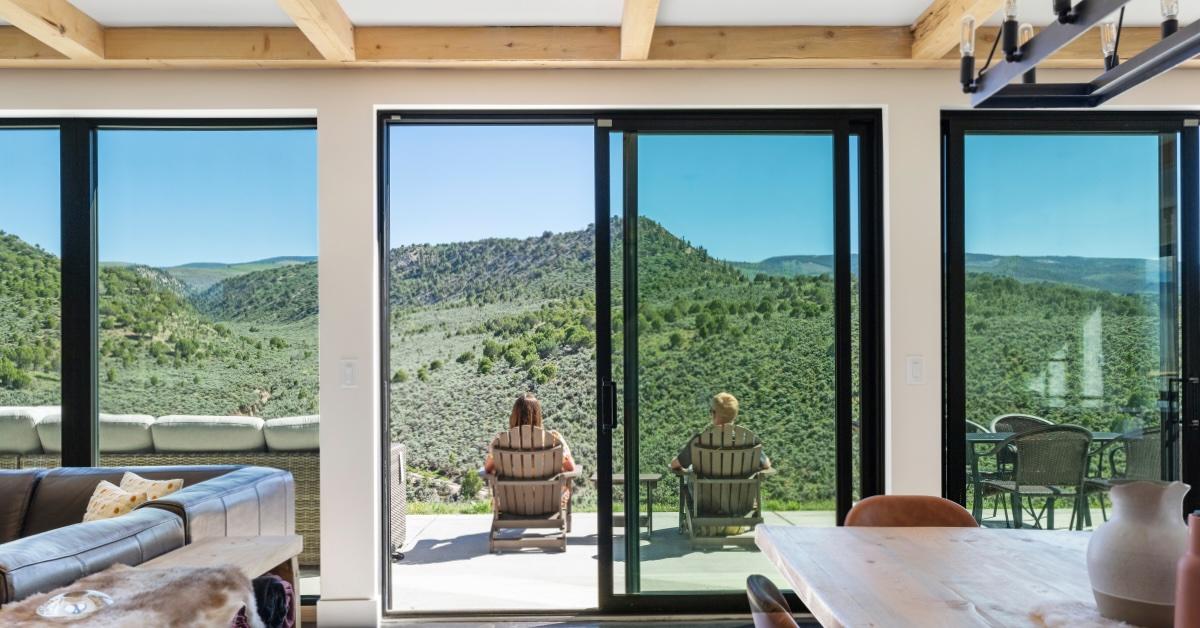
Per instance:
{"type": "Point", "coordinates": [995, 89]}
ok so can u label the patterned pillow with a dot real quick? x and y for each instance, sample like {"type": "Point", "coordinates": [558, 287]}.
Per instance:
{"type": "Point", "coordinates": [154, 489]}
{"type": "Point", "coordinates": [108, 501]}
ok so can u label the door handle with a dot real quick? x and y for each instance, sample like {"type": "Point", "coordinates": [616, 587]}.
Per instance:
{"type": "Point", "coordinates": [608, 405]}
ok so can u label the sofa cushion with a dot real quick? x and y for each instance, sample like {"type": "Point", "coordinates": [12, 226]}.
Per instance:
{"type": "Point", "coordinates": [58, 557]}
{"type": "Point", "coordinates": [189, 433]}
{"type": "Point", "coordinates": [110, 500]}
{"type": "Point", "coordinates": [62, 494]}
{"type": "Point", "coordinates": [16, 491]}
{"type": "Point", "coordinates": [294, 433]}
{"type": "Point", "coordinates": [154, 489]}
{"type": "Point", "coordinates": [18, 431]}
{"type": "Point", "coordinates": [119, 433]}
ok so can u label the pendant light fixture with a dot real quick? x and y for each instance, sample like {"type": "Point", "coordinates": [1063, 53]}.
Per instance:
{"type": "Point", "coordinates": [996, 84]}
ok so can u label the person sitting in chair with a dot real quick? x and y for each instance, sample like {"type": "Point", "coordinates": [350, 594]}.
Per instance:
{"type": "Point", "coordinates": [527, 410]}
{"type": "Point", "coordinates": [722, 411]}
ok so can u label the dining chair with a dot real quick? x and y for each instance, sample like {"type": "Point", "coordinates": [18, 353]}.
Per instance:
{"type": "Point", "coordinates": [976, 475]}
{"type": "Point", "coordinates": [1049, 462]}
{"type": "Point", "coordinates": [1142, 450]}
{"type": "Point", "coordinates": [768, 607]}
{"type": "Point", "coordinates": [1014, 423]}
{"type": "Point", "coordinates": [909, 511]}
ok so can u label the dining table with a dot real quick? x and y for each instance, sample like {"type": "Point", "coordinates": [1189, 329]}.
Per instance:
{"type": "Point", "coordinates": [928, 577]}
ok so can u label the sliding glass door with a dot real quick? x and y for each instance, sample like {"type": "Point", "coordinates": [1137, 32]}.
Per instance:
{"type": "Point", "coordinates": [705, 335]}
{"type": "Point", "coordinates": [1067, 262]}
{"type": "Point", "coordinates": [734, 336]}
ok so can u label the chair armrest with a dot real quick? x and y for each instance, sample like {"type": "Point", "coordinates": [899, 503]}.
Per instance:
{"type": "Point", "coordinates": [250, 501]}
{"type": "Point", "coordinates": [765, 472]}
{"type": "Point", "coordinates": [568, 475]}
{"type": "Point", "coordinates": [58, 557]}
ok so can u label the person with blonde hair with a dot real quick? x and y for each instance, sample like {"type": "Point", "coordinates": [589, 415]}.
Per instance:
{"type": "Point", "coordinates": [723, 410]}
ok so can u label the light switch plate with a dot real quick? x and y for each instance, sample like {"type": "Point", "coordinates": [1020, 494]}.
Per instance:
{"type": "Point", "coordinates": [914, 370]}
{"type": "Point", "coordinates": [349, 369]}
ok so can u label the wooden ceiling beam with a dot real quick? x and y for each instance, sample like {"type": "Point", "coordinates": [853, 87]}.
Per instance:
{"type": "Point", "coordinates": [938, 28]}
{"type": "Point", "coordinates": [326, 26]}
{"type": "Point", "coordinates": [637, 28]}
{"type": "Point", "coordinates": [847, 47]}
{"type": "Point", "coordinates": [57, 24]}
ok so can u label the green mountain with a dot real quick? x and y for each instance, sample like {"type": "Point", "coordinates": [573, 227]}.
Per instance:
{"type": "Point", "coordinates": [283, 293]}
{"type": "Point", "coordinates": [159, 353]}
{"type": "Point", "coordinates": [200, 276]}
{"type": "Point", "coordinates": [1118, 275]}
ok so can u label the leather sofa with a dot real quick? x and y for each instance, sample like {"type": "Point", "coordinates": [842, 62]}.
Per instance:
{"type": "Point", "coordinates": [44, 542]}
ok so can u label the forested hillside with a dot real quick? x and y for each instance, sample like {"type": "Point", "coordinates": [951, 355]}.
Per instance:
{"type": "Point", "coordinates": [476, 323]}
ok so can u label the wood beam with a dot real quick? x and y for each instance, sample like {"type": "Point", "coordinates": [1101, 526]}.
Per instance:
{"type": "Point", "coordinates": [939, 27]}
{"type": "Point", "coordinates": [637, 28]}
{"type": "Point", "coordinates": [499, 45]}
{"type": "Point", "coordinates": [57, 24]}
{"type": "Point", "coordinates": [838, 47]}
{"type": "Point", "coordinates": [326, 26]}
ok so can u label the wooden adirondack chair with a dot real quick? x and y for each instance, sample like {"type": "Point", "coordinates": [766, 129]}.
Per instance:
{"type": "Point", "coordinates": [721, 493]}
{"type": "Point", "coordinates": [527, 486]}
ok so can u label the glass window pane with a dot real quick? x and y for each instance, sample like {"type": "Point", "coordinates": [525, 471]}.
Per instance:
{"type": "Point", "coordinates": [30, 391]}
{"type": "Point", "coordinates": [208, 304]}
{"type": "Point", "coordinates": [1071, 318]}
{"type": "Point", "coordinates": [492, 297]}
{"type": "Point", "coordinates": [735, 324]}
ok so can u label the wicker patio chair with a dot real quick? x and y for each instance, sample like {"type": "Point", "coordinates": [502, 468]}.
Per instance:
{"type": "Point", "coordinates": [1142, 449]}
{"type": "Point", "coordinates": [1013, 423]}
{"type": "Point", "coordinates": [977, 475]}
{"type": "Point", "coordinates": [1050, 462]}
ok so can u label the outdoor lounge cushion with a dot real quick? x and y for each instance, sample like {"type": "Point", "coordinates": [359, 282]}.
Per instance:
{"type": "Point", "coordinates": [208, 433]}
{"type": "Point", "coordinates": [119, 433]}
{"type": "Point", "coordinates": [18, 431]}
{"type": "Point", "coordinates": [294, 433]}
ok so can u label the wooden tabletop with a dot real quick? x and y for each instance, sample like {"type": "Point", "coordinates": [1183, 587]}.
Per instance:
{"type": "Point", "coordinates": [254, 555]}
{"type": "Point", "coordinates": [928, 576]}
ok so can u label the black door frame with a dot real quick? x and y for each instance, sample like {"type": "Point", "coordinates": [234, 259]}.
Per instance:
{"type": "Point", "coordinates": [958, 123]}
{"type": "Point", "coordinates": [864, 123]}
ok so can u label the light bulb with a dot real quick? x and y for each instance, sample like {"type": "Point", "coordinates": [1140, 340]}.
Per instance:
{"type": "Point", "coordinates": [966, 45]}
{"type": "Point", "coordinates": [1170, 9]}
{"type": "Point", "coordinates": [1026, 33]}
{"type": "Point", "coordinates": [1108, 38]}
{"type": "Point", "coordinates": [1010, 10]}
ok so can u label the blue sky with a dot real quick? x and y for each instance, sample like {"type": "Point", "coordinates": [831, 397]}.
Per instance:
{"type": "Point", "coordinates": [29, 186]}
{"type": "Point", "coordinates": [174, 197]}
{"type": "Point", "coordinates": [742, 197]}
{"type": "Point", "coordinates": [1085, 195]}
{"type": "Point", "coordinates": [463, 183]}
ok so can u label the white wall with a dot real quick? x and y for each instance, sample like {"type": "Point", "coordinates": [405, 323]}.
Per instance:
{"type": "Point", "coordinates": [345, 103]}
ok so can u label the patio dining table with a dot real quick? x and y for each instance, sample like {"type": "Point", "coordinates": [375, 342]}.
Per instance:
{"type": "Point", "coordinates": [991, 439]}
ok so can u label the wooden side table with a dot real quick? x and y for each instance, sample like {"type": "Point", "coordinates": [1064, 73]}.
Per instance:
{"type": "Point", "coordinates": [649, 481]}
{"type": "Point", "coordinates": [254, 555]}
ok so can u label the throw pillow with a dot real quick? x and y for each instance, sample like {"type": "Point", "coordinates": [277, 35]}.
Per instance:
{"type": "Point", "coordinates": [108, 501]}
{"type": "Point", "coordinates": [154, 489]}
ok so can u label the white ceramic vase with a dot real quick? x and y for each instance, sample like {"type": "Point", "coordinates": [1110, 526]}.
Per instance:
{"type": "Point", "coordinates": [1131, 559]}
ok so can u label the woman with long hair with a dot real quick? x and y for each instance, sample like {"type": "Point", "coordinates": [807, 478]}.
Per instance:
{"type": "Point", "coordinates": [527, 410]}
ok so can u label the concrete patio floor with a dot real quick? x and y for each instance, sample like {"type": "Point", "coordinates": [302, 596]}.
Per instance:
{"type": "Point", "coordinates": [447, 565]}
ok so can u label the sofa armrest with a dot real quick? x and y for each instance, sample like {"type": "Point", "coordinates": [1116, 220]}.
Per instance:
{"type": "Point", "coordinates": [45, 561]}
{"type": "Point", "coordinates": [250, 501]}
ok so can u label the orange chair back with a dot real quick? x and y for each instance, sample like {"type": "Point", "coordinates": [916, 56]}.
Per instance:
{"type": "Point", "coordinates": [908, 511]}
{"type": "Point", "coordinates": [767, 605]}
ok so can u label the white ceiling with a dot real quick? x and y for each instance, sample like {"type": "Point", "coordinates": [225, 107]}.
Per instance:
{"type": "Point", "coordinates": [567, 12]}
{"type": "Point", "coordinates": [185, 12]}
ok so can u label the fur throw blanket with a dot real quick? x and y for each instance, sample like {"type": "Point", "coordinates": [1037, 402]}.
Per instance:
{"type": "Point", "coordinates": [200, 597]}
